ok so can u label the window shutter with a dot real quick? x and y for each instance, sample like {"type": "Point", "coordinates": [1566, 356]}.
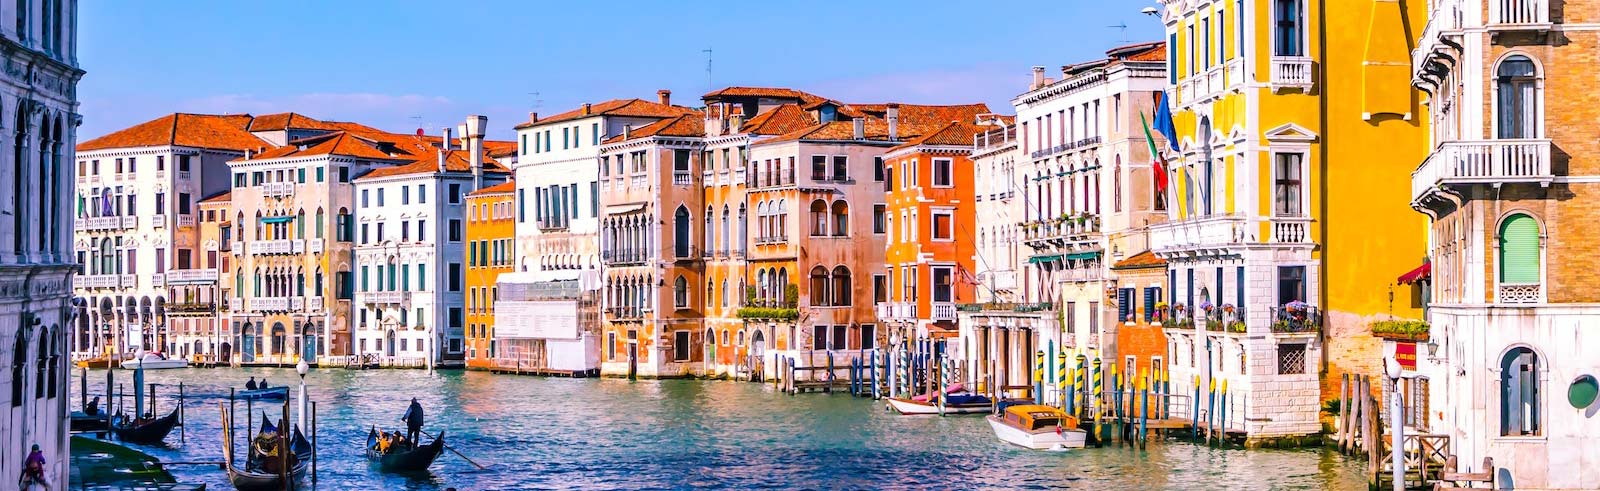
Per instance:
{"type": "Point", "coordinates": [1124, 304]}
{"type": "Point", "coordinates": [1149, 303]}
{"type": "Point", "coordinates": [1519, 250]}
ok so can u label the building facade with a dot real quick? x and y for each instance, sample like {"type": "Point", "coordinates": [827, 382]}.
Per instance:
{"type": "Point", "coordinates": [1512, 260]}
{"type": "Point", "coordinates": [38, 103]}
{"type": "Point", "coordinates": [491, 250]}
{"type": "Point", "coordinates": [938, 256]}
{"type": "Point", "coordinates": [1281, 195]}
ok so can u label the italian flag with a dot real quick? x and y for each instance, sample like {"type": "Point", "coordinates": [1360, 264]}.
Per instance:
{"type": "Point", "coordinates": [1157, 162]}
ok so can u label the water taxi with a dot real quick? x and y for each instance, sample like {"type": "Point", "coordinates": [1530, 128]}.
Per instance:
{"type": "Point", "coordinates": [1037, 427]}
{"type": "Point", "coordinates": [154, 361]}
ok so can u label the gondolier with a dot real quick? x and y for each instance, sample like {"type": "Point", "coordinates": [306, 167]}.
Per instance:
{"type": "Point", "coordinates": [413, 419]}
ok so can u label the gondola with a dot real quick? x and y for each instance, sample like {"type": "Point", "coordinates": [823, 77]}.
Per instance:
{"type": "Point", "coordinates": [257, 474]}
{"type": "Point", "coordinates": [268, 394]}
{"type": "Point", "coordinates": [91, 418]}
{"type": "Point", "coordinates": [415, 459]}
{"type": "Point", "coordinates": [146, 432]}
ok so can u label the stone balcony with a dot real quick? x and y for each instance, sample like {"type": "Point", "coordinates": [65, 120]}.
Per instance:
{"type": "Point", "coordinates": [1065, 233]}
{"type": "Point", "coordinates": [387, 298]}
{"type": "Point", "coordinates": [1459, 164]}
{"type": "Point", "coordinates": [97, 281]}
{"type": "Point", "coordinates": [315, 246]}
{"type": "Point", "coordinates": [1506, 15]}
{"type": "Point", "coordinates": [185, 221]}
{"type": "Point", "coordinates": [269, 304]}
{"type": "Point", "coordinates": [899, 311]}
{"type": "Point", "coordinates": [106, 223]}
{"type": "Point", "coordinates": [1291, 72]}
{"type": "Point", "coordinates": [277, 189]}
{"type": "Point", "coordinates": [284, 246]}
{"type": "Point", "coordinates": [943, 311]}
{"type": "Point", "coordinates": [191, 276]}
{"type": "Point", "coordinates": [1198, 236]}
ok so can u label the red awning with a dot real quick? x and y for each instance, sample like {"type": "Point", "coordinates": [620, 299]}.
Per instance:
{"type": "Point", "coordinates": [1422, 273]}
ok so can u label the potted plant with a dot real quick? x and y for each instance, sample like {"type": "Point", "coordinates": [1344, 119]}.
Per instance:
{"type": "Point", "coordinates": [1401, 330]}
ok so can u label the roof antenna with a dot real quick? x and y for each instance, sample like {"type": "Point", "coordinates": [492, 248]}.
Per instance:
{"type": "Point", "coordinates": [707, 51]}
{"type": "Point", "coordinates": [418, 119]}
{"type": "Point", "coordinates": [536, 100]}
{"type": "Point", "coordinates": [1124, 27]}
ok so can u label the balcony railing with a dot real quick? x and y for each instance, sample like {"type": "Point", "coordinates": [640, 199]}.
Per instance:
{"type": "Point", "coordinates": [387, 298]}
{"type": "Point", "coordinates": [128, 280]}
{"type": "Point", "coordinates": [1512, 14]}
{"type": "Point", "coordinates": [1216, 231]}
{"type": "Point", "coordinates": [1445, 19]}
{"type": "Point", "coordinates": [625, 256]}
{"type": "Point", "coordinates": [1225, 318]}
{"type": "Point", "coordinates": [1186, 91]}
{"type": "Point", "coordinates": [1287, 230]}
{"type": "Point", "coordinates": [185, 220]}
{"type": "Point", "coordinates": [313, 304]}
{"type": "Point", "coordinates": [1291, 72]}
{"type": "Point", "coordinates": [1062, 231]}
{"type": "Point", "coordinates": [187, 276]}
{"type": "Point", "coordinates": [943, 311]}
{"type": "Point", "coordinates": [158, 221]}
{"type": "Point", "coordinates": [269, 304]}
{"type": "Point", "coordinates": [276, 189]}
{"type": "Point", "coordinates": [191, 308]}
{"type": "Point", "coordinates": [107, 223]}
{"type": "Point", "coordinates": [314, 245]}
{"type": "Point", "coordinates": [96, 281]}
{"type": "Point", "coordinates": [682, 178]}
{"type": "Point", "coordinates": [1520, 293]}
{"type": "Point", "coordinates": [1296, 317]}
{"type": "Point", "coordinates": [902, 311]}
{"type": "Point", "coordinates": [1492, 162]}
{"type": "Point", "coordinates": [158, 279]}
{"type": "Point", "coordinates": [284, 246]}
{"type": "Point", "coordinates": [625, 312]}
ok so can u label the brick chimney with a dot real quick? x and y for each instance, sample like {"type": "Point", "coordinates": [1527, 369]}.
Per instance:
{"type": "Point", "coordinates": [860, 128]}
{"type": "Point", "coordinates": [533, 117]}
{"type": "Point", "coordinates": [444, 147]}
{"type": "Point", "coordinates": [586, 109]}
{"type": "Point", "coordinates": [893, 115]}
{"type": "Point", "coordinates": [664, 96]}
{"type": "Point", "coordinates": [1038, 78]}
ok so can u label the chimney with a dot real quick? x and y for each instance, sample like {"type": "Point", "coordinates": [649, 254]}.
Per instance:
{"type": "Point", "coordinates": [475, 128]}
{"type": "Point", "coordinates": [893, 115]}
{"type": "Point", "coordinates": [1038, 78]}
{"type": "Point", "coordinates": [444, 147]}
{"type": "Point", "coordinates": [586, 109]}
{"type": "Point", "coordinates": [247, 154]}
{"type": "Point", "coordinates": [627, 132]}
{"type": "Point", "coordinates": [533, 116]}
{"type": "Point", "coordinates": [736, 118]}
{"type": "Point", "coordinates": [861, 128]}
{"type": "Point", "coordinates": [461, 135]}
{"type": "Point", "coordinates": [664, 96]}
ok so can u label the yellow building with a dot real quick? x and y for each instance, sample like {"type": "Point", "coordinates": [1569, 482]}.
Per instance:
{"type": "Point", "coordinates": [491, 237]}
{"type": "Point", "coordinates": [1289, 192]}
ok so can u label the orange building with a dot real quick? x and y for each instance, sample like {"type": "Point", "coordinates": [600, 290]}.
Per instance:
{"type": "Point", "coordinates": [930, 218]}
{"type": "Point", "coordinates": [491, 234]}
{"type": "Point", "coordinates": [1141, 281]}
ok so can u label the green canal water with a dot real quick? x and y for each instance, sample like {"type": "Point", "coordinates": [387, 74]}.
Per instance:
{"type": "Point", "coordinates": [597, 434]}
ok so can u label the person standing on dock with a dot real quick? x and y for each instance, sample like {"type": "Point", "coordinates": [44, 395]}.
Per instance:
{"type": "Point", "coordinates": [413, 419]}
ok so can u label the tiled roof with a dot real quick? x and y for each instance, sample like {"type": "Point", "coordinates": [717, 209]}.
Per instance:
{"type": "Point", "coordinates": [1147, 51]}
{"type": "Point", "coordinates": [342, 143]}
{"type": "Point", "coordinates": [914, 122]}
{"type": "Point", "coordinates": [497, 149]}
{"type": "Point", "coordinates": [222, 197]}
{"type": "Point", "coordinates": [502, 188]}
{"type": "Point", "coordinates": [952, 133]}
{"type": "Point", "coordinates": [687, 125]}
{"type": "Point", "coordinates": [615, 107]}
{"type": "Point", "coordinates": [222, 132]}
{"type": "Point", "coordinates": [925, 114]}
{"type": "Point", "coordinates": [768, 92]}
{"type": "Point", "coordinates": [778, 120]}
{"type": "Point", "coordinates": [456, 161]}
{"type": "Point", "coordinates": [284, 121]}
{"type": "Point", "coordinates": [1144, 259]}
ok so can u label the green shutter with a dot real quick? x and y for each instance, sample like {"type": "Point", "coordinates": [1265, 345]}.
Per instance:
{"type": "Point", "coordinates": [1519, 250]}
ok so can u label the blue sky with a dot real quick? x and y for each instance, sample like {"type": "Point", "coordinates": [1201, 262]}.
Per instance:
{"type": "Point", "coordinates": [402, 64]}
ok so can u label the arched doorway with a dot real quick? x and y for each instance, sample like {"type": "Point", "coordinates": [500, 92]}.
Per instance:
{"type": "Point", "coordinates": [758, 345]}
{"type": "Point", "coordinates": [389, 343]}
{"type": "Point", "coordinates": [226, 352]}
{"type": "Point", "coordinates": [248, 341]}
{"type": "Point", "coordinates": [278, 339]}
{"type": "Point", "coordinates": [308, 345]}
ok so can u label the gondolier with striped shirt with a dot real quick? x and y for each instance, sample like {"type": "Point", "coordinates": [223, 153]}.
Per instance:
{"type": "Point", "coordinates": [413, 419]}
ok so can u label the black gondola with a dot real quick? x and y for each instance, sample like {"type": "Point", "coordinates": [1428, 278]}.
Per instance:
{"type": "Point", "coordinates": [253, 477]}
{"type": "Point", "coordinates": [414, 459]}
{"type": "Point", "coordinates": [146, 432]}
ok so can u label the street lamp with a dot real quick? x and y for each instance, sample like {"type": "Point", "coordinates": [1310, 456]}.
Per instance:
{"type": "Point", "coordinates": [301, 368]}
{"type": "Point", "coordinates": [1391, 367]}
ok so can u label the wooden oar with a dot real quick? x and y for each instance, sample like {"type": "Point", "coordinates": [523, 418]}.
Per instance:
{"type": "Point", "coordinates": [458, 454]}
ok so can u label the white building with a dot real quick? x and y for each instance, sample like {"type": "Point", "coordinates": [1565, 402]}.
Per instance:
{"type": "Point", "coordinates": [557, 269]}
{"type": "Point", "coordinates": [137, 236]}
{"type": "Point", "coordinates": [38, 116]}
{"type": "Point", "coordinates": [411, 253]}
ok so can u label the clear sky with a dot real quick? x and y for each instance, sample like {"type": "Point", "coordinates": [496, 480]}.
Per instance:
{"type": "Point", "coordinates": [398, 65]}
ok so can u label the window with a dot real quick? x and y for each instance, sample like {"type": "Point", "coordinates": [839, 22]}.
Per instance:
{"type": "Point", "coordinates": [819, 287]}
{"type": "Point", "coordinates": [594, 199]}
{"type": "Point", "coordinates": [878, 170]}
{"type": "Point", "coordinates": [1516, 98]}
{"type": "Point", "coordinates": [1287, 35]}
{"type": "Point", "coordinates": [1519, 393]}
{"type": "Point", "coordinates": [522, 210]}
{"type": "Point", "coordinates": [422, 193]}
{"type": "Point", "coordinates": [841, 219]}
{"type": "Point", "coordinates": [680, 293]}
{"type": "Point", "coordinates": [405, 195]}
{"type": "Point", "coordinates": [941, 173]}
{"type": "Point", "coordinates": [819, 218]}
{"type": "Point", "coordinates": [943, 225]}
{"type": "Point", "coordinates": [380, 196]}
{"type": "Point", "coordinates": [455, 193]}
{"type": "Point", "coordinates": [841, 287]}
{"type": "Point", "coordinates": [365, 195]}
{"type": "Point", "coordinates": [321, 174]}
{"type": "Point", "coordinates": [1519, 250]}
{"type": "Point", "coordinates": [880, 288]}
{"type": "Point", "coordinates": [1151, 294]}
{"type": "Point", "coordinates": [680, 232]}
{"type": "Point", "coordinates": [455, 230]}
{"type": "Point", "coordinates": [841, 168]}
{"type": "Point", "coordinates": [1291, 359]}
{"type": "Point", "coordinates": [680, 346]}
{"type": "Point", "coordinates": [819, 167]}
{"type": "Point", "coordinates": [455, 277]}
{"type": "Point", "coordinates": [943, 284]}
{"type": "Point", "coordinates": [1291, 284]}
{"type": "Point", "coordinates": [1125, 306]}
{"type": "Point", "coordinates": [1286, 184]}
{"type": "Point", "coordinates": [869, 336]}
{"type": "Point", "coordinates": [879, 219]}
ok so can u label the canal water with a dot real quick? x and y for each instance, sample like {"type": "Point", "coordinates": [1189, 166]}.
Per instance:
{"type": "Point", "coordinates": [596, 434]}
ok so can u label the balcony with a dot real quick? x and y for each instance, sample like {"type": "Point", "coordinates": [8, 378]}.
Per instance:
{"type": "Point", "coordinates": [314, 246]}
{"type": "Point", "coordinates": [275, 246]}
{"type": "Point", "coordinates": [1067, 232]}
{"type": "Point", "coordinates": [1491, 162]}
{"type": "Point", "coordinates": [625, 256]}
{"type": "Point", "coordinates": [690, 253]}
{"type": "Point", "coordinates": [1444, 21]}
{"type": "Point", "coordinates": [625, 313]}
{"type": "Point", "coordinates": [128, 280]}
{"type": "Point", "coordinates": [1291, 72]}
{"type": "Point", "coordinates": [682, 178]}
{"type": "Point", "coordinates": [999, 280]}
{"type": "Point", "coordinates": [386, 298]}
{"type": "Point", "coordinates": [191, 308]}
{"type": "Point", "coordinates": [1296, 318]}
{"type": "Point", "coordinates": [1519, 15]}
{"type": "Point", "coordinates": [106, 223]}
{"type": "Point", "coordinates": [158, 280]}
{"type": "Point", "coordinates": [269, 304]}
{"type": "Point", "coordinates": [1064, 147]}
{"type": "Point", "coordinates": [95, 281]}
{"type": "Point", "coordinates": [297, 304]}
{"type": "Point", "coordinates": [1233, 73]}
{"type": "Point", "coordinates": [158, 221]}
{"type": "Point", "coordinates": [185, 221]}
{"type": "Point", "coordinates": [1291, 230]}
{"type": "Point", "coordinates": [944, 311]}
{"type": "Point", "coordinates": [277, 189]}
{"type": "Point", "coordinates": [1519, 293]}
{"type": "Point", "coordinates": [1225, 318]}
{"type": "Point", "coordinates": [1186, 91]}
{"type": "Point", "coordinates": [901, 311]}
{"type": "Point", "coordinates": [1198, 235]}
{"type": "Point", "coordinates": [314, 304]}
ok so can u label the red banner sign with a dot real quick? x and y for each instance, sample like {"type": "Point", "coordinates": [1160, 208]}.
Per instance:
{"type": "Point", "coordinates": [1406, 354]}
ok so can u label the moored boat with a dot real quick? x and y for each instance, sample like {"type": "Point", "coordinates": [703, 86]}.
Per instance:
{"type": "Point", "coordinates": [263, 471]}
{"type": "Point", "coordinates": [268, 394]}
{"type": "Point", "coordinates": [146, 431]}
{"type": "Point", "coordinates": [413, 459]}
{"type": "Point", "coordinates": [1037, 427]}
{"type": "Point", "coordinates": [154, 361]}
{"type": "Point", "coordinates": [953, 404]}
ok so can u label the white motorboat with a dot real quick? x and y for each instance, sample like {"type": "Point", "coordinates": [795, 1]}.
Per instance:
{"type": "Point", "coordinates": [154, 361]}
{"type": "Point", "coordinates": [953, 404]}
{"type": "Point", "coordinates": [1038, 427]}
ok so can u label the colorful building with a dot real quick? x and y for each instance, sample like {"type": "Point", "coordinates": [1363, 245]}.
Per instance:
{"type": "Point", "coordinates": [1285, 203]}
{"type": "Point", "coordinates": [491, 242]}
{"type": "Point", "coordinates": [1507, 370]}
{"type": "Point", "coordinates": [998, 331]}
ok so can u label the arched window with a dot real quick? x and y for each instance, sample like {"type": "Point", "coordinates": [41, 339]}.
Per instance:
{"type": "Point", "coordinates": [708, 293]}
{"type": "Point", "coordinates": [680, 233]}
{"type": "Point", "coordinates": [782, 226]}
{"type": "Point", "coordinates": [727, 234]}
{"type": "Point", "coordinates": [1116, 186]}
{"type": "Point", "coordinates": [1519, 259]}
{"type": "Point", "coordinates": [55, 357]}
{"type": "Point", "coordinates": [1517, 98]}
{"type": "Point", "coordinates": [841, 286]}
{"type": "Point", "coordinates": [300, 224]}
{"type": "Point", "coordinates": [724, 293]}
{"type": "Point", "coordinates": [320, 223]}
{"type": "Point", "coordinates": [19, 359]}
{"type": "Point", "coordinates": [761, 283]}
{"type": "Point", "coordinates": [709, 231]}
{"type": "Point", "coordinates": [1519, 393]}
{"type": "Point", "coordinates": [680, 292]}
{"type": "Point", "coordinates": [841, 218]}
{"type": "Point", "coordinates": [711, 345]}
{"type": "Point", "coordinates": [819, 287]}
{"type": "Point", "coordinates": [819, 218]}
{"type": "Point", "coordinates": [744, 230]}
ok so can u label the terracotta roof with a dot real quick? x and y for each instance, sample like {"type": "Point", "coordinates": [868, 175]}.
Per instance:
{"type": "Point", "coordinates": [503, 188]}
{"type": "Point", "coordinates": [687, 125]}
{"type": "Point", "coordinates": [925, 114]}
{"type": "Point", "coordinates": [497, 149]}
{"type": "Point", "coordinates": [953, 133]}
{"type": "Point", "coordinates": [778, 120]}
{"type": "Point", "coordinates": [457, 161]}
{"type": "Point", "coordinates": [915, 121]}
{"type": "Point", "coordinates": [1144, 259]}
{"type": "Point", "coordinates": [284, 121]}
{"type": "Point", "coordinates": [222, 132]}
{"type": "Point", "coordinates": [222, 197]}
{"type": "Point", "coordinates": [616, 107]}
{"type": "Point", "coordinates": [768, 92]}
{"type": "Point", "coordinates": [1147, 51]}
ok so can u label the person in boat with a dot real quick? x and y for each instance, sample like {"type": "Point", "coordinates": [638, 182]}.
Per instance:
{"type": "Point", "coordinates": [413, 419]}
{"type": "Point", "coordinates": [263, 384]}
{"type": "Point", "coordinates": [33, 470]}
{"type": "Point", "coordinates": [384, 443]}
{"type": "Point", "coordinates": [251, 385]}
{"type": "Point", "coordinates": [93, 407]}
